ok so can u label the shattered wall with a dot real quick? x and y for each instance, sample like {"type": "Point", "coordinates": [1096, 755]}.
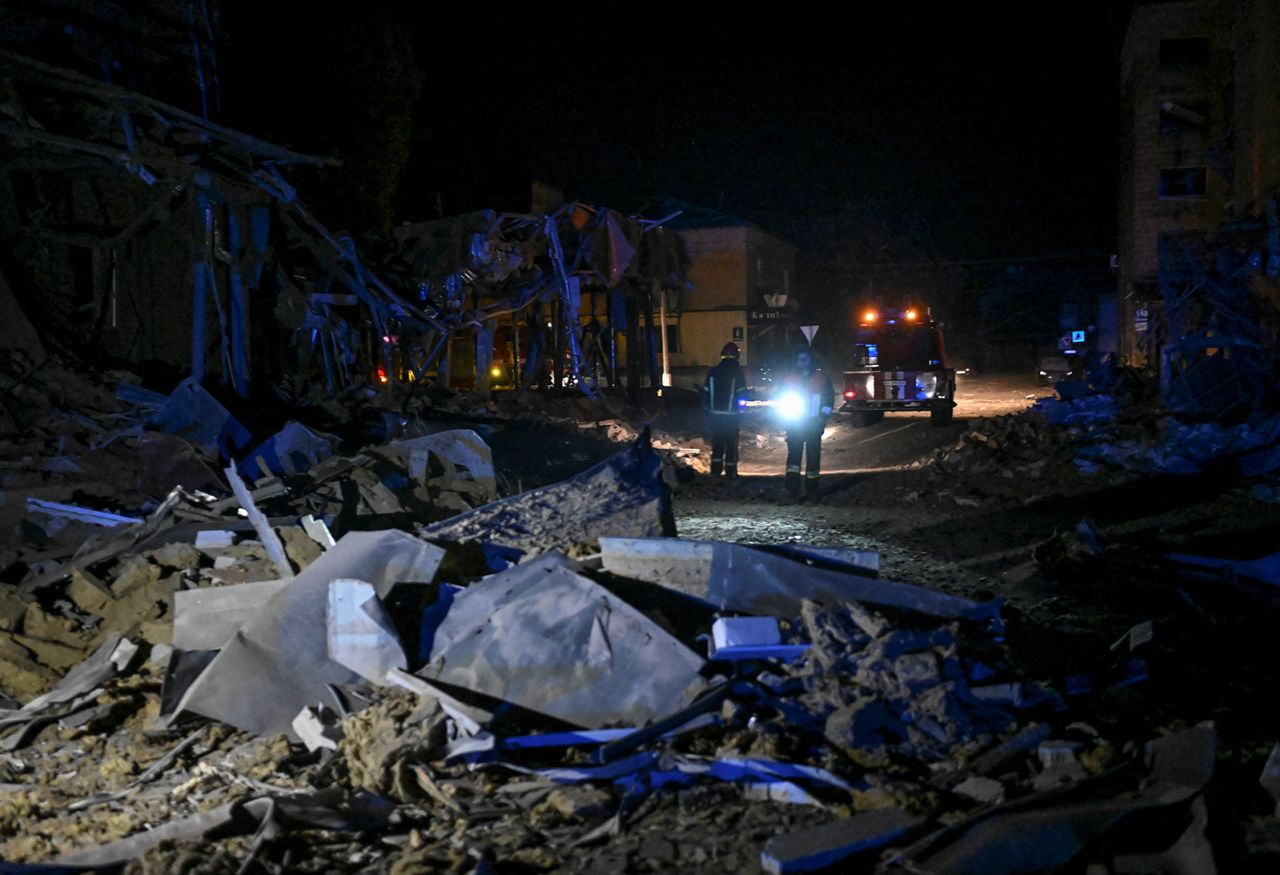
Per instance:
{"type": "Point", "coordinates": [1198, 138]}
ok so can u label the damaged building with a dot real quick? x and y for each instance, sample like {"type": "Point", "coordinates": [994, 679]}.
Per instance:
{"type": "Point", "coordinates": [343, 552]}
{"type": "Point", "coordinates": [1199, 242]}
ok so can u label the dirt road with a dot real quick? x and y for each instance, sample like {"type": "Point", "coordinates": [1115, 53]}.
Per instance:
{"type": "Point", "coordinates": [869, 477]}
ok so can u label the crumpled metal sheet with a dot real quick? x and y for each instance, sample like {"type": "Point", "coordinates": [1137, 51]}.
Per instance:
{"type": "Point", "coordinates": [294, 449]}
{"type": "Point", "coordinates": [552, 641]}
{"type": "Point", "coordinates": [734, 577]}
{"type": "Point", "coordinates": [208, 617]}
{"type": "Point", "coordinates": [279, 662]}
{"type": "Point", "coordinates": [192, 413]}
{"type": "Point", "coordinates": [622, 496]}
{"type": "Point", "coordinates": [361, 635]}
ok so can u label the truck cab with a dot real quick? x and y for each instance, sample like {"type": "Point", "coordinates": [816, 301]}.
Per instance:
{"type": "Point", "coordinates": [899, 363]}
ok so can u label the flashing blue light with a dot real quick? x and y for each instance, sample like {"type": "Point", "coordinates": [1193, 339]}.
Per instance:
{"type": "Point", "coordinates": [742, 402]}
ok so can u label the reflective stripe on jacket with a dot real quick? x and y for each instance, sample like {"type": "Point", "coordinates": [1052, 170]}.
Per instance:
{"type": "Point", "coordinates": [724, 390]}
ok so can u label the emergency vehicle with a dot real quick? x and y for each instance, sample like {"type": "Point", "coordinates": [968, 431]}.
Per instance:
{"type": "Point", "coordinates": [899, 363]}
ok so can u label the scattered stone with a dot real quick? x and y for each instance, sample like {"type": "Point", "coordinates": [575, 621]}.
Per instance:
{"type": "Point", "coordinates": [986, 791]}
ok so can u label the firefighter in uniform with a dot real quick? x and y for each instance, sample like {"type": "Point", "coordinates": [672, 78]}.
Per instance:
{"type": "Point", "coordinates": [723, 395]}
{"type": "Point", "coordinates": [816, 399]}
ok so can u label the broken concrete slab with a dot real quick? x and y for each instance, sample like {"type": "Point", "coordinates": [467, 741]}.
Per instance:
{"type": "Point", "coordinates": [825, 846]}
{"type": "Point", "coordinates": [622, 496]}
{"type": "Point", "coordinates": [299, 546]}
{"type": "Point", "coordinates": [278, 662]}
{"type": "Point", "coordinates": [557, 643]}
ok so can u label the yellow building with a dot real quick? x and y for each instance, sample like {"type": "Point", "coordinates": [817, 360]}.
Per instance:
{"type": "Point", "coordinates": [742, 281]}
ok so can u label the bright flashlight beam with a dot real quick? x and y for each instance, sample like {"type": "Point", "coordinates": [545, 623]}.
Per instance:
{"type": "Point", "coordinates": [790, 407]}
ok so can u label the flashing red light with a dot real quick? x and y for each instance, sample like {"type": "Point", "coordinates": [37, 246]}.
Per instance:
{"type": "Point", "coordinates": [851, 394]}
{"type": "Point", "coordinates": [382, 376]}
{"type": "Point", "coordinates": [911, 315]}
{"type": "Point", "coordinates": [870, 316]}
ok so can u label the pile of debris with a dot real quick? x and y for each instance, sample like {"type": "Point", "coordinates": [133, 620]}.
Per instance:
{"type": "Point", "coordinates": [548, 681]}
{"type": "Point", "coordinates": [1098, 435]}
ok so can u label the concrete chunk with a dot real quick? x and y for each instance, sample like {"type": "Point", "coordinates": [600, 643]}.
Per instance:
{"type": "Point", "coordinates": [986, 791]}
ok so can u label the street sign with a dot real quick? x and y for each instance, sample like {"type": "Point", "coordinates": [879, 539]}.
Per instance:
{"type": "Point", "coordinates": [1077, 337]}
{"type": "Point", "coordinates": [809, 331]}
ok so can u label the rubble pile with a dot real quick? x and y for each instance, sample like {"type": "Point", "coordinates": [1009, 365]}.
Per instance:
{"type": "Point", "coordinates": [1097, 434]}
{"type": "Point", "coordinates": [880, 689]}
{"type": "Point", "coordinates": [340, 658]}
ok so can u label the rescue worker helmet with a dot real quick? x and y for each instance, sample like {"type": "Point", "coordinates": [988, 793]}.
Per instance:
{"type": "Point", "coordinates": [730, 351]}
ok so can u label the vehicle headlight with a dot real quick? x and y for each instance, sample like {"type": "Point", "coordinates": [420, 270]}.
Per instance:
{"type": "Point", "coordinates": [926, 385]}
{"type": "Point", "coordinates": [790, 407]}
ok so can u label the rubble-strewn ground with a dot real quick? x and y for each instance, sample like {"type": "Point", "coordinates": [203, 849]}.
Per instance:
{"type": "Point", "coordinates": [1069, 522]}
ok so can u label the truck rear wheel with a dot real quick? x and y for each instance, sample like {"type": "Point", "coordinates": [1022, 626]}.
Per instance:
{"type": "Point", "coordinates": [941, 415]}
{"type": "Point", "coordinates": [865, 418]}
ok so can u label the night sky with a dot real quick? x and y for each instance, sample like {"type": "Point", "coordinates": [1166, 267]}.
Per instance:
{"type": "Point", "coordinates": [988, 133]}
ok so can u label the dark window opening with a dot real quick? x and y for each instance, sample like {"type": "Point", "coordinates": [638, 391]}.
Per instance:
{"type": "Point", "coordinates": [673, 338]}
{"type": "Point", "coordinates": [1181, 118]}
{"type": "Point", "coordinates": [1182, 182]}
{"type": "Point", "coordinates": [1190, 51]}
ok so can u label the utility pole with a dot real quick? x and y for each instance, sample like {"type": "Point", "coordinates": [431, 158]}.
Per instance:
{"type": "Point", "coordinates": [662, 326]}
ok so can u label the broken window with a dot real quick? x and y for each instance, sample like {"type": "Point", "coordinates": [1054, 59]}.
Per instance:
{"type": "Point", "coordinates": [1182, 52]}
{"type": "Point", "coordinates": [1181, 118]}
{"type": "Point", "coordinates": [1178, 182]}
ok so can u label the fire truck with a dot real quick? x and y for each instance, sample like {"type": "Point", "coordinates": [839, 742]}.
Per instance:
{"type": "Point", "coordinates": [899, 363]}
